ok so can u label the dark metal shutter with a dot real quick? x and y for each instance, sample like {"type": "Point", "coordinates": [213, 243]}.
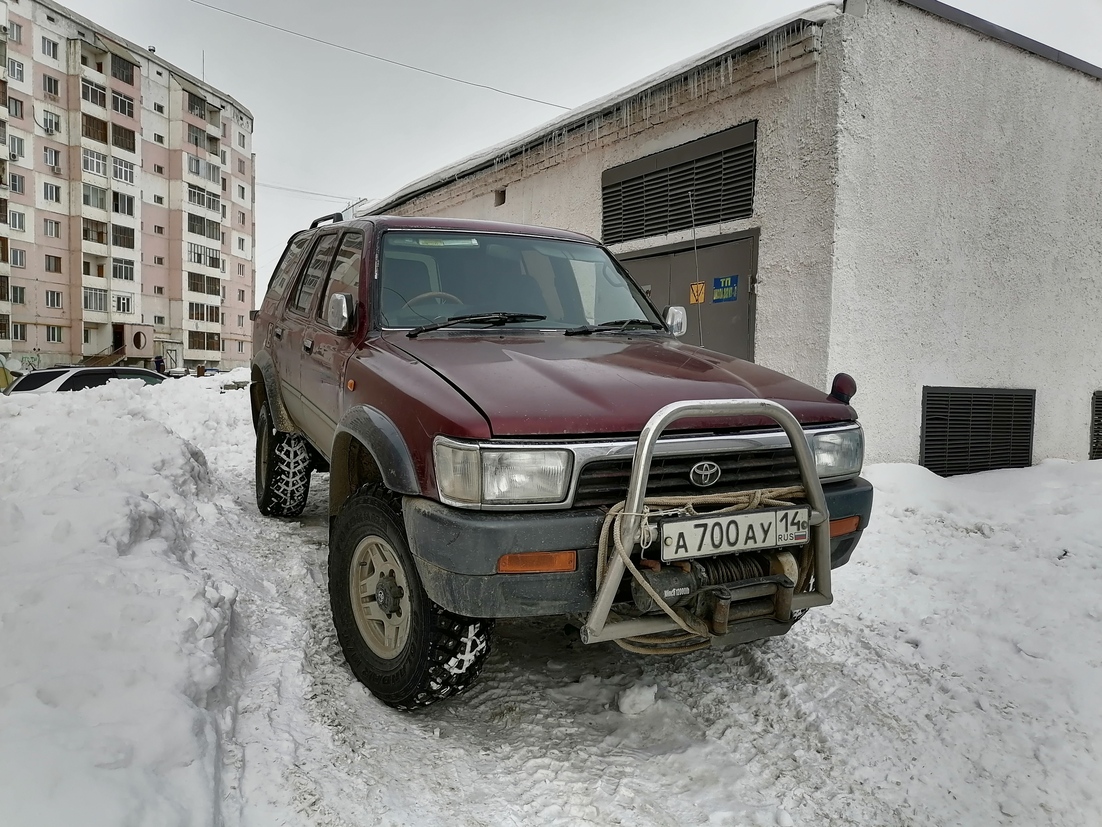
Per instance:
{"type": "Point", "coordinates": [1096, 425]}
{"type": "Point", "coordinates": [965, 430]}
{"type": "Point", "coordinates": [709, 180]}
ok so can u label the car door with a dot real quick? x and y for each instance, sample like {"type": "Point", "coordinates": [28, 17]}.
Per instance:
{"type": "Point", "coordinates": [325, 351]}
{"type": "Point", "coordinates": [290, 330]}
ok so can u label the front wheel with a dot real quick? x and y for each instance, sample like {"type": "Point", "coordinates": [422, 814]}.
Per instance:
{"type": "Point", "coordinates": [405, 649]}
{"type": "Point", "coordinates": [282, 469]}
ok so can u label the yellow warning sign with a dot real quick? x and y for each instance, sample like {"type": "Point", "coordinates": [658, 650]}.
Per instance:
{"type": "Point", "coordinates": [696, 292]}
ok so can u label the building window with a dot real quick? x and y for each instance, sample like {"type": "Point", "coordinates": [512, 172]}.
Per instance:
{"type": "Point", "coordinates": [18, 257]}
{"type": "Point", "coordinates": [159, 321]}
{"type": "Point", "coordinates": [95, 197]}
{"type": "Point", "coordinates": [122, 203]}
{"type": "Point", "coordinates": [51, 121]}
{"type": "Point", "coordinates": [241, 166]}
{"type": "Point", "coordinates": [240, 347]}
{"type": "Point", "coordinates": [93, 92]}
{"type": "Point", "coordinates": [94, 231]}
{"type": "Point", "coordinates": [158, 169]}
{"type": "Point", "coordinates": [93, 128]}
{"type": "Point", "coordinates": [17, 183]}
{"type": "Point", "coordinates": [198, 340]}
{"type": "Point", "coordinates": [51, 86]}
{"type": "Point", "coordinates": [241, 295]}
{"type": "Point", "coordinates": [240, 191]}
{"type": "Point", "coordinates": [160, 139]}
{"type": "Point", "coordinates": [18, 295]}
{"type": "Point", "coordinates": [51, 228]}
{"type": "Point", "coordinates": [123, 170]}
{"type": "Point", "coordinates": [54, 297]}
{"type": "Point", "coordinates": [15, 69]}
{"type": "Point", "coordinates": [51, 156]}
{"type": "Point", "coordinates": [15, 108]}
{"type": "Point", "coordinates": [95, 299]}
{"type": "Point", "coordinates": [195, 135]}
{"type": "Point", "coordinates": [122, 268]}
{"type": "Point", "coordinates": [159, 260]}
{"type": "Point", "coordinates": [240, 321]}
{"type": "Point", "coordinates": [241, 271]}
{"type": "Point", "coordinates": [93, 162]}
{"type": "Point", "coordinates": [87, 266]}
{"type": "Point", "coordinates": [196, 105]}
{"type": "Point", "coordinates": [703, 182]}
{"type": "Point", "coordinates": [198, 254]}
{"type": "Point", "coordinates": [159, 108]}
{"type": "Point", "coordinates": [16, 145]}
{"type": "Point", "coordinates": [200, 197]}
{"type": "Point", "coordinates": [19, 332]}
{"type": "Point", "coordinates": [51, 192]}
{"type": "Point", "coordinates": [123, 138]}
{"type": "Point", "coordinates": [158, 229]}
{"type": "Point", "coordinates": [53, 265]}
{"type": "Point", "coordinates": [122, 236]}
{"type": "Point", "coordinates": [87, 336]}
{"type": "Point", "coordinates": [240, 217]}
{"type": "Point", "coordinates": [158, 199]}
{"type": "Point", "coordinates": [122, 69]}
{"type": "Point", "coordinates": [53, 333]}
{"type": "Point", "coordinates": [17, 220]}
{"type": "Point", "coordinates": [122, 104]}
{"type": "Point", "coordinates": [124, 302]}
{"type": "Point", "coordinates": [241, 139]}
{"type": "Point", "coordinates": [198, 312]}
{"type": "Point", "coordinates": [158, 290]}
{"type": "Point", "coordinates": [240, 244]}
{"type": "Point", "coordinates": [49, 49]}
{"type": "Point", "coordinates": [15, 32]}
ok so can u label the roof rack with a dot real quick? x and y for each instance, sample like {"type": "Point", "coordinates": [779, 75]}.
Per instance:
{"type": "Point", "coordinates": [333, 216]}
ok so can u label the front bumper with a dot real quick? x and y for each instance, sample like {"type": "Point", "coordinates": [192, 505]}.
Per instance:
{"type": "Point", "coordinates": [457, 552]}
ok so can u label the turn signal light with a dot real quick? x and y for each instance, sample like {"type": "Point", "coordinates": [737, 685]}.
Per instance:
{"type": "Point", "coordinates": [531, 562]}
{"type": "Point", "coordinates": [846, 525]}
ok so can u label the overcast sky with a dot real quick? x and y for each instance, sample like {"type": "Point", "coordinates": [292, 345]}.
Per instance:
{"type": "Point", "coordinates": [347, 126]}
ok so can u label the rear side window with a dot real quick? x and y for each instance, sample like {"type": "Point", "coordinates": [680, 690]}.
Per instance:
{"type": "Point", "coordinates": [138, 374]}
{"type": "Point", "coordinates": [319, 265]}
{"type": "Point", "coordinates": [288, 265]}
{"type": "Point", "coordinates": [87, 379]}
{"type": "Point", "coordinates": [35, 380]}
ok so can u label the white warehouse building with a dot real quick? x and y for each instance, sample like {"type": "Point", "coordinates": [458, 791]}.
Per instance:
{"type": "Point", "coordinates": [890, 188]}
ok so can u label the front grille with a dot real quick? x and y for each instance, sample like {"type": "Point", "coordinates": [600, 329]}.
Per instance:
{"type": "Point", "coordinates": [605, 482]}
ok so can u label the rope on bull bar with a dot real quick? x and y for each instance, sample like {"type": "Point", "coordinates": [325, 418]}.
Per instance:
{"type": "Point", "coordinates": [694, 632]}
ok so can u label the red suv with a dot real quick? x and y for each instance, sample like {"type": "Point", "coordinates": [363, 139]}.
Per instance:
{"type": "Point", "coordinates": [511, 429]}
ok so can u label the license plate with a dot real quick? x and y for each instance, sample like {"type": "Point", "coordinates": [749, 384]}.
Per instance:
{"type": "Point", "coordinates": [745, 531]}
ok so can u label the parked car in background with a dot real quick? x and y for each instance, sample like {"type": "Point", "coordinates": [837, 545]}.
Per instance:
{"type": "Point", "coordinates": [77, 379]}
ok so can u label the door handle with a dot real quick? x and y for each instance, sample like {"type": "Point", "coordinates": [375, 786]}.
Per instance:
{"type": "Point", "coordinates": [308, 345]}
{"type": "Point", "coordinates": [278, 332]}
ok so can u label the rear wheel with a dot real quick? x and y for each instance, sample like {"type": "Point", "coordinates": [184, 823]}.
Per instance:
{"type": "Point", "coordinates": [403, 647]}
{"type": "Point", "coordinates": [282, 469]}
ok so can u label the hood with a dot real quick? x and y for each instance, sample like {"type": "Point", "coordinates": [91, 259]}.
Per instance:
{"type": "Point", "coordinates": [550, 384]}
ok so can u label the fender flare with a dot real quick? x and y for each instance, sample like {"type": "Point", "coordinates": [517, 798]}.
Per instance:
{"type": "Point", "coordinates": [262, 363]}
{"type": "Point", "coordinates": [380, 437]}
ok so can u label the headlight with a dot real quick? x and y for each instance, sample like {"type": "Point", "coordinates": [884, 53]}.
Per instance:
{"type": "Point", "coordinates": [467, 475]}
{"type": "Point", "coordinates": [838, 453]}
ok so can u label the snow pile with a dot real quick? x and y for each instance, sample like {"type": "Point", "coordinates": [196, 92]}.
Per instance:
{"type": "Point", "coordinates": [111, 640]}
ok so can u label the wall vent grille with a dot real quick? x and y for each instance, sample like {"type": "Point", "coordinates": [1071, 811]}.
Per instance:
{"type": "Point", "coordinates": [966, 430]}
{"type": "Point", "coordinates": [1096, 425]}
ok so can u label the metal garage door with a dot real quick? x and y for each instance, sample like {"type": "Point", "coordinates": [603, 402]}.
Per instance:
{"type": "Point", "coordinates": [712, 282]}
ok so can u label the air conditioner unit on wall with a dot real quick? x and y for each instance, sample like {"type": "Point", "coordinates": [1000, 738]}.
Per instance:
{"type": "Point", "coordinates": [55, 170]}
{"type": "Point", "coordinates": [13, 156]}
{"type": "Point", "coordinates": [49, 131]}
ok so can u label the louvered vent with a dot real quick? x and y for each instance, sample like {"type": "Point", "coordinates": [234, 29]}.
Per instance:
{"type": "Point", "coordinates": [1096, 425]}
{"type": "Point", "coordinates": [965, 430]}
{"type": "Point", "coordinates": [709, 180]}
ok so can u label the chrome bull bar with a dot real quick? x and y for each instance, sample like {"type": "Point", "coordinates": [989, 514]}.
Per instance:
{"type": "Point", "coordinates": [598, 626]}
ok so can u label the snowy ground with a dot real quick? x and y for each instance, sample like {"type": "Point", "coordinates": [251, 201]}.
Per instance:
{"type": "Point", "coordinates": [166, 659]}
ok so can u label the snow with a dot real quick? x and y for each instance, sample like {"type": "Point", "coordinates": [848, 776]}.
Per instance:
{"type": "Point", "coordinates": [166, 658]}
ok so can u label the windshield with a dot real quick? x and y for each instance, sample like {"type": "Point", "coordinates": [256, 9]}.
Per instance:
{"type": "Point", "coordinates": [428, 277]}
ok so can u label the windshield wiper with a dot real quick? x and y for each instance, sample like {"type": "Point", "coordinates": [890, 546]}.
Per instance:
{"type": "Point", "coordinates": [487, 318]}
{"type": "Point", "coordinates": [614, 327]}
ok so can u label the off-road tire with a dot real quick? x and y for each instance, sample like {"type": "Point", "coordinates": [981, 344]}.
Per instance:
{"type": "Point", "coordinates": [282, 469]}
{"type": "Point", "coordinates": [440, 654]}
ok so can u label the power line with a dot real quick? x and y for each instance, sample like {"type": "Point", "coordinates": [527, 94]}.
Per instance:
{"type": "Point", "coordinates": [330, 196]}
{"type": "Point", "coordinates": [377, 57]}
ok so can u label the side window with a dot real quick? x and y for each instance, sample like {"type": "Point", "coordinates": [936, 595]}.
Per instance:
{"type": "Point", "coordinates": [345, 275]}
{"type": "Point", "coordinates": [315, 272]}
{"type": "Point", "coordinates": [88, 379]}
{"type": "Point", "coordinates": [287, 266]}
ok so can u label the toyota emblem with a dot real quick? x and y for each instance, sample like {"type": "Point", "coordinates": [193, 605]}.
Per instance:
{"type": "Point", "coordinates": [704, 474]}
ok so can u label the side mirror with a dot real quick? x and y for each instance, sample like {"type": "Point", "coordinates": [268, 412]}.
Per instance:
{"type": "Point", "coordinates": [339, 313]}
{"type": "Point", "coordinates": [676, 320]}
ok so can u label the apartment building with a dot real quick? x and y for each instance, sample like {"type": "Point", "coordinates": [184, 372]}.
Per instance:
{"type": "Point", "coordinates": [126, 202]}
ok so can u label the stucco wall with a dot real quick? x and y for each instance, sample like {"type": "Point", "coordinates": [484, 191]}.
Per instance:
{"type": "Point", "coordinates": [790, 88]}
{"type": "Point", "coordinates": [968, 242]}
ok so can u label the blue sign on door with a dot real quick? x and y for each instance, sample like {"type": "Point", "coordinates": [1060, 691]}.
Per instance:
{"type": "Point", "coordinates": [725, 289]}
